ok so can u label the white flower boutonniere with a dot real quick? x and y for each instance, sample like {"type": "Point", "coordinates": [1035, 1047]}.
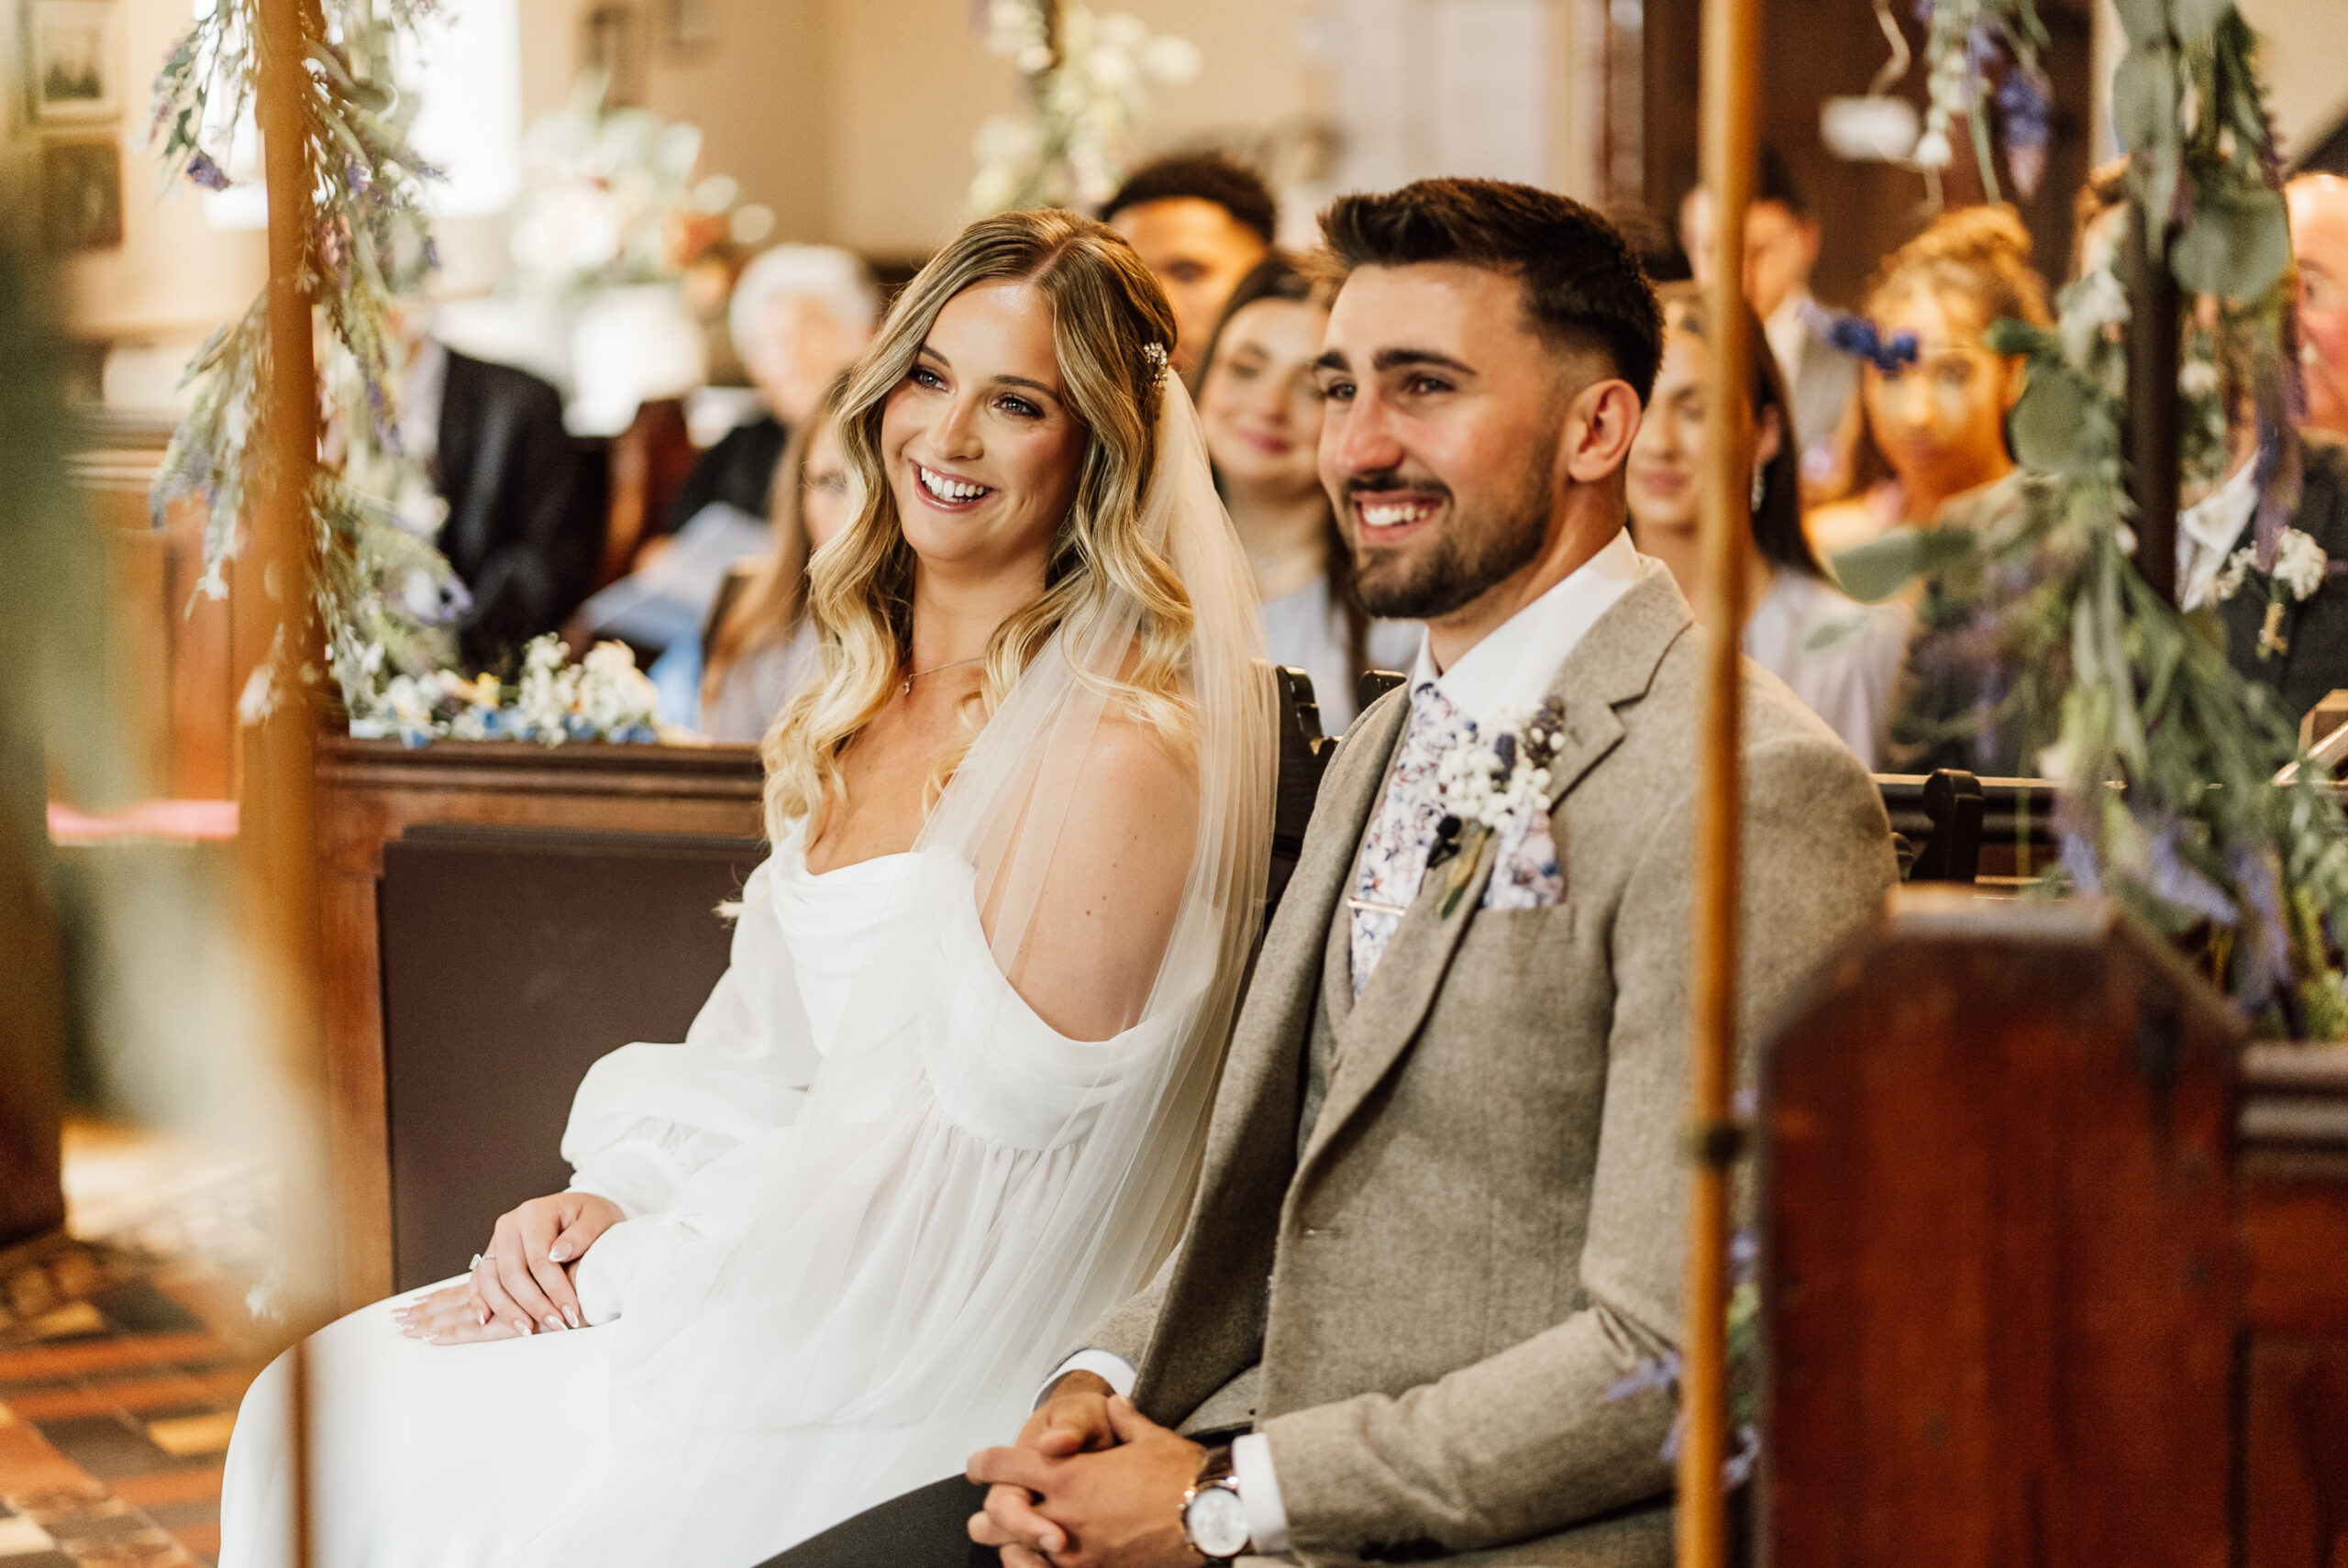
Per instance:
{"type": "Point", "coordinates": [1485, 780]}
{"type": "Point", "coordinates": [2301, 566]}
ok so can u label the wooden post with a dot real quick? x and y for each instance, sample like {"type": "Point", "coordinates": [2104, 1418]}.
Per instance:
{"type": "Point", "coordinates": [1730, 39]}
{"type": "Point", "coordinates": [2153, 427]}
{"type": "Point", "coordinates": [276, 841]}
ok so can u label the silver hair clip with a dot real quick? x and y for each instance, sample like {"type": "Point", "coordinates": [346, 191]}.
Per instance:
{"type": "Point", "coordinates": [1155, 354]}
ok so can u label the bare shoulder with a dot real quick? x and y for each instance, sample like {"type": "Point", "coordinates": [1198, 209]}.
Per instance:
{"type": "Point", "coordinates": [1134, 769]}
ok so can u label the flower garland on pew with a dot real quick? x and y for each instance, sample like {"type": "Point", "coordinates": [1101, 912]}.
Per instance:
{"type": "Point", "coordinates": [385, 598]}
{"type": "Point", "coordinates": [2175, 797]}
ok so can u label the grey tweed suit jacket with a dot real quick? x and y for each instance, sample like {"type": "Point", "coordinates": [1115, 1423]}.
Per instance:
{"type": "Point", "coordinates": [1424, 1306]}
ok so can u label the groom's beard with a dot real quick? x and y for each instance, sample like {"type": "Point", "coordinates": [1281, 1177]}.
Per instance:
{"type": "Point", "coordinates": [1475, 550]}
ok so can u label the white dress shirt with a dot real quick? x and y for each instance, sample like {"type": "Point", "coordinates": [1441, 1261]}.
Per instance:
{"type": "Point", "coordinates": [1511, 668]}
{"type": "Point", "coordinates": [2207, 532]}
{"type": "Point", "coordinates": [1508, 671]}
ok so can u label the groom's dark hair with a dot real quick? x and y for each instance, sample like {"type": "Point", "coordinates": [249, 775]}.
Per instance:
{"type": "Point", "coordinates": [1584, 289]}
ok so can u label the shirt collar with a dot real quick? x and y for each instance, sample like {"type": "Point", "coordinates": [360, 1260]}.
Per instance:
{"type": "Point", "coordinates": [2217, 520]}
{"type": "Point", "coordinates": [1511, 668]}
{"type": "Point", "coordinates": [1787, 328]}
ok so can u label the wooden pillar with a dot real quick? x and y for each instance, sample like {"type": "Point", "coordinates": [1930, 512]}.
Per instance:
{"type": "Point", "coordinates": [276, 841]}
{"type": "Point", "coordinates": [1729, 40]}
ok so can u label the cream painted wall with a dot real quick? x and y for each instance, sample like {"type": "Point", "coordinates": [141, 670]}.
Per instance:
{"type": "Point", "coordinates": [2306, 42]}
{"type": "Point", "coordinates": [172, 277]}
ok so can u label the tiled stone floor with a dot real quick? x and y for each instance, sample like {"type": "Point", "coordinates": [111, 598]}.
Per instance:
{"type": "Point", "coordinates": [121, 1364]}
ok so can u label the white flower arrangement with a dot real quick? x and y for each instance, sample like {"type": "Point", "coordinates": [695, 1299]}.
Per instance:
{"type": "Point", "coordinates": [615, 196]}
{"type": "Point", "coordinates": [1088, 83]}
{"type": "Point", "coordinates": [2301, 566]}
{"type": "Point", "coordinates": [1486, 780]}
{"type": "Point", "coordinates": [603, 698]}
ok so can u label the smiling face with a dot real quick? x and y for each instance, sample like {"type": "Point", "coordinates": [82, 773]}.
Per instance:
{"type": "Point", "coordinates": [1259, 405]}
{"type": "Point", "coordinates": [1199, 252]}
{"type": "Point", "coordinates": [1941, 421]}
{"type": "Point", "coordinates": [1443, 447]}
{"type": "Point", "coordinates": [982, 446]}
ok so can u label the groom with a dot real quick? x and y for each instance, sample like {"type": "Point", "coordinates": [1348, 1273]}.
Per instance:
{"type": "Point", "coordinates": [1441, 1213]}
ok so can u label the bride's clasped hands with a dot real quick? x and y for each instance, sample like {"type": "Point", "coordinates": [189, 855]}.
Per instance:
{"type": "Point", "coordinates": [521, 1284]}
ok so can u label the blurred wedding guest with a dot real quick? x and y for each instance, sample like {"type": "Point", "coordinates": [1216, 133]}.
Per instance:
{"type": "Point", "coordinates": [1261, 414]}
{"type": "Point", "coordinates": [764, 647]}
{"type": "Point", "coordinates": [1841, 657]}
{"type": "Point", "coordinates": [1200, 222]}
{"type": "Point", "coordinates": [800, 314]}
{"type": "Point", "coordinates": [1934, 395]}
{"type": "Point", "coordinates": [1781, 244]}
{"type": "Point", "coordinates": [525, 522]}
{"type": "Point", "coordinates": [1934, 450]}
{"type": "Point", "coordinates": [2297, 644]}
{"type": "Point", "coordinates": [2320, 245]}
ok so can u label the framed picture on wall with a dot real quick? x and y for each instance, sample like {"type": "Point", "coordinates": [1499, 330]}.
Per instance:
{"type": "Point", "coordinates": [73, 60]}
{"type": "Point", "coordinates": [81, 195]}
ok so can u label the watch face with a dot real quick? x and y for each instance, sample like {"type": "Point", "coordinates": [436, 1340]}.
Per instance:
{"type": "Point", "coordinates": [1217, 1521]}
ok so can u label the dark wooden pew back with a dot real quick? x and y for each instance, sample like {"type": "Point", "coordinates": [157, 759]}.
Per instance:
{"type": "Point", "coordinates": [2043, 1283]}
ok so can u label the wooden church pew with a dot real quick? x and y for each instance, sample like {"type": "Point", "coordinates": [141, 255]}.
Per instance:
{"type": "Point", "coordinates": [2054, 1272]}
{"type": "Point", "coordinates": [500, 915]}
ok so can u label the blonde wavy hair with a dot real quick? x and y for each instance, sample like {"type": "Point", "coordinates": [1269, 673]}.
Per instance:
{"type": "Point", "coordinates": [1112, 328]}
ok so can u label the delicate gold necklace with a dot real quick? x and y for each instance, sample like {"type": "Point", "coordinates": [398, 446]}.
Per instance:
{"type": "Point", "coordinates": [906, 690]}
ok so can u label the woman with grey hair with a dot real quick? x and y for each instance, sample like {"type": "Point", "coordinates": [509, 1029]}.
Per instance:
{"type": "Point", "coordinates": [801, 315]}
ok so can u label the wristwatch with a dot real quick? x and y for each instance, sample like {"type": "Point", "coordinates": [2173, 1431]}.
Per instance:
{"type": "Point", "coordinates": [1214, 1521]}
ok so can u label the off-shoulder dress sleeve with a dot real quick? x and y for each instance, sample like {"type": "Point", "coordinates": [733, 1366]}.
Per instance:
{"type": "Point", "coordinates": [647, 1116]}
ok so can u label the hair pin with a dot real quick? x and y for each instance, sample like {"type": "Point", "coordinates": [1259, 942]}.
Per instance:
{"type": "Point", "coordinates": [1155, 354]}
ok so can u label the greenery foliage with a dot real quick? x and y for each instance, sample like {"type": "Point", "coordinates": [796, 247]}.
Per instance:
{"type": "Point", "coordinates": [383, 594]}
{"type": "Point", "coordinates": [2167, 757]}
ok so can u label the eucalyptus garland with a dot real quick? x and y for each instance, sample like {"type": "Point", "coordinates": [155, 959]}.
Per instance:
{"type": "Point", "coordinates": [384, 596]}
{"type": "Point", "coordinates": [2167, 757]}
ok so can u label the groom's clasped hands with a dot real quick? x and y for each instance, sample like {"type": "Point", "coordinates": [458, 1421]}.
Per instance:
{"type": "Point", "coordinates": [521, 1283]}
{"type": "Point", "coordinates": [1091, 1483]}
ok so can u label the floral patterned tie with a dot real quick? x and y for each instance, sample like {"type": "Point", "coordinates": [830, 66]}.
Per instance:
{"type": "Point", "coordinates": [1402, 836]}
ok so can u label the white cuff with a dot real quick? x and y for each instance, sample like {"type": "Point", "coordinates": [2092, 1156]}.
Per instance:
{"type": "Point", "coordinates": [1107, 1365]}
{"type": "Point", "coordinates": [1259, 1494]}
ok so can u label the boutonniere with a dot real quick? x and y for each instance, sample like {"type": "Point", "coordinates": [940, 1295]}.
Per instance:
{"type": "Point", "coordinates": [2301, 566]}
{"type": "Point", "coordinates": [1485, 780]}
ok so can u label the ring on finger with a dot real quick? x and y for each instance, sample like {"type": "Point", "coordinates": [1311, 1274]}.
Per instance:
{"type": "Point", "coordinates": [480, 1258]}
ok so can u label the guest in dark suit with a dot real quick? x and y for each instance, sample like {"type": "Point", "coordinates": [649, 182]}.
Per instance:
{"type": "Point", "coordinates": [2304, 659]}
{"type": "Point", "coordinates": [526, 502]}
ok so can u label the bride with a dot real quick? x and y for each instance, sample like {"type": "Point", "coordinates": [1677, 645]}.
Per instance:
{"type": "Point", "coordinates": [945, 1105]}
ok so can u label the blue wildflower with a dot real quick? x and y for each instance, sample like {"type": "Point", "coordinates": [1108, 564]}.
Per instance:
{"type": "Point", "coordinates": [206, 174]}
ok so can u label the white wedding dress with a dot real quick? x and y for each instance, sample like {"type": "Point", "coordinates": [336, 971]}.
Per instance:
{"type": "Point", "coordinates": [871, 1198]}
{"type": "Point", "coordinates": [468, 1454]}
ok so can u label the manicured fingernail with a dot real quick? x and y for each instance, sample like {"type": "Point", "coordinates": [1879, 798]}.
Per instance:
{"type": "Point", "coordinates": [558, 1253]}
{"type": "Point", "coordinates": [572, 1314]}
{"type": "Point", "coordinates": [523, 1326]}
{"type": "Point", "coordinates": [554, 1323]}
{"type": "Point", "coordinates": [485, 1315]}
